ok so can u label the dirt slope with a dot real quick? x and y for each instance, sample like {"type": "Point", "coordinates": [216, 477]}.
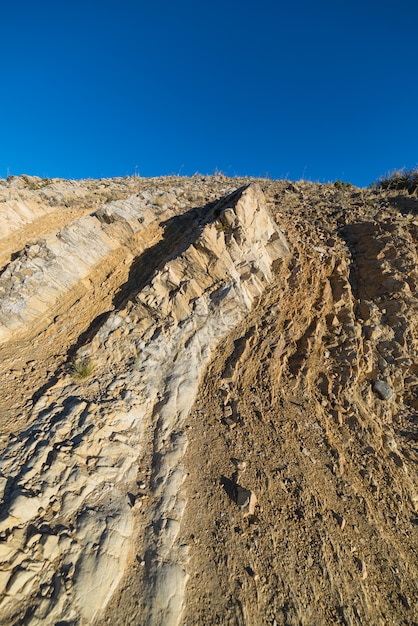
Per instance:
{"type": "Point", "coordinates": [310, 401]}
{"type": "Point", "coordinates": [332, 465]}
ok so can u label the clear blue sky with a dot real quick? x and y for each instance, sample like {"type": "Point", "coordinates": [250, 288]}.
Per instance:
{"type": "Point", "coordinates": [316, 90]}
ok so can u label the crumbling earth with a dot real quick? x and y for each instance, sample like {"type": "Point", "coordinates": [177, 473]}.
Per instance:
{"type": "Point", "coordinates": [242, 449]}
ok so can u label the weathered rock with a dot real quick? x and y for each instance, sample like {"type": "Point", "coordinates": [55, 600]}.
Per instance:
{"type": "Point", "coordinates": [246, 500]}
{"type": "Point", "coordinates": [46, 271]}
{"type": "Point", "coordinates": [301, 341]}
{"type": "Point", "coordinates": [384, 390]}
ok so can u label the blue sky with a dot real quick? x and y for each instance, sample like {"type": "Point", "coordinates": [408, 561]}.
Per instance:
{"type": "Point", "coordinates": [320, 90]}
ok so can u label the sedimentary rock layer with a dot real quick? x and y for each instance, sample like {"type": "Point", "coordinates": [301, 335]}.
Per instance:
{"type": "Point", "coordinates": [68, 519]}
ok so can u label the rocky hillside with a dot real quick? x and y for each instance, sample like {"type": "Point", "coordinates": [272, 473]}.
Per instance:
{"type": "Point", "coordinates": [209, 403]}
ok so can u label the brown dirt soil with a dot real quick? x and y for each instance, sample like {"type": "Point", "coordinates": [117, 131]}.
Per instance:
{"type": "Point", "coordinates": [333, 539]}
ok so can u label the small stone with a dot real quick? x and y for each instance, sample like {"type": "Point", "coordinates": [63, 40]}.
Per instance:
{"type": "Point", "coordinates": [383, 389]}
{"type": "Point", "coordinates": [56, 506]}
{"type": "Point", "coordinates": [33, 540]}
{"type": "Point", "coordinates": [3, 483]}
{"type": "Point", "coordinates": [239, 464]}
{"type": "Point", "coordinates": [46, 590]}
{"type": "Point", "coordinates": [246, 500]}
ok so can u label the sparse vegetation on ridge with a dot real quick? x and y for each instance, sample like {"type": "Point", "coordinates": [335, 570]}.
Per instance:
{"type": "Point", "coordinates": [342, 185]}
{"type": "Point", "coordinates": [34, 182]}
{"type": "Point", "coordinates": [402, 179]}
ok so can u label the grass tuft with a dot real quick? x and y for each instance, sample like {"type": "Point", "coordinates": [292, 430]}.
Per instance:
{"type": "Point", "coordinates": [342, 185]}
{"type": "Point", "coordinates": [82, 368]}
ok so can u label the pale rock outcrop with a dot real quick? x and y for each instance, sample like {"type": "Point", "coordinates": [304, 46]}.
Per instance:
{"type": "Point", "coordinates": [46, 270]}
{"type": "Point", "coordinates": [67, 522]}
{"type": "Point", "coordinates": [25, 199]}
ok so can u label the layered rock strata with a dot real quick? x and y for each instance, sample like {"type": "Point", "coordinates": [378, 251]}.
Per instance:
{"type": "Point", "coordinates": [288, 493]}
{"type": "Point", "coordinates": [71, 496]}
{"type": "Point", "coordinates": [45, 271]}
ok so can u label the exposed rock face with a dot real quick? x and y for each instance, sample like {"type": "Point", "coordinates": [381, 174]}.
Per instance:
{"type": "Point", "coordinates": [242, 449]}
{"type": "Point", "coordinates": [66, 507]}
{"type": "Point", "coordinates": [47, 270]}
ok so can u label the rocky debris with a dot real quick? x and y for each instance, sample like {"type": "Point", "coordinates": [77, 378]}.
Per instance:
{"type": "Point", "coordinates": [321, 445]}
{"type": "Point", "coordinates": [239, 464]}
{"type": "Point", "coordinates": [38, 348]}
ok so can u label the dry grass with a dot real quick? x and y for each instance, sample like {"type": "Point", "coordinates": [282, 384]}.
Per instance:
{"type": "Point", "coordinates": [82, 368]}
{"type": "Point", "coordinates": [400, 180]}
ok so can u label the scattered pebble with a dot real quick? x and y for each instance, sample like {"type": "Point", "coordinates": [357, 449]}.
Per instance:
{"type": "Point", "coordinates": [239, 464]}
{"type": "Point", "coordinates": [246, 500]}
{"type": "Point", "coordinates": [383, 389]}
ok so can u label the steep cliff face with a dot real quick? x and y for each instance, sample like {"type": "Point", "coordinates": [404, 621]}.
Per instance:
{"type": "Point", "coordinates": [209, 408]}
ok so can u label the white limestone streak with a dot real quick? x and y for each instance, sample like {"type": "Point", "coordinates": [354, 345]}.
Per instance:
{"type": "Point", "coordinates": [67, 523]}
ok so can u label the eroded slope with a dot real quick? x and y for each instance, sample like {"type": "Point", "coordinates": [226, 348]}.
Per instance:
{"type": "Point", "coordinates": [331, 461]}
{"type": "Point", "coordinates": [77, 252]}
{"type": "Point", "coordinates": [123, 491]}
{"type": "Point", "coordinates": [311, 403]}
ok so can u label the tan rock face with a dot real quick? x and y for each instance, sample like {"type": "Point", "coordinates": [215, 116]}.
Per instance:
{"type": "Point", "coordinates": [46, 271]}
{"type": "Point", "coordinates": [74, 457]}
{"type": "Point", "coordinates": [166, 354]}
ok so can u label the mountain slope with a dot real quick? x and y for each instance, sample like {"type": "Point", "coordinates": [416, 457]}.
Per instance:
{"type": "Point", "coordinates": [264, 342]}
